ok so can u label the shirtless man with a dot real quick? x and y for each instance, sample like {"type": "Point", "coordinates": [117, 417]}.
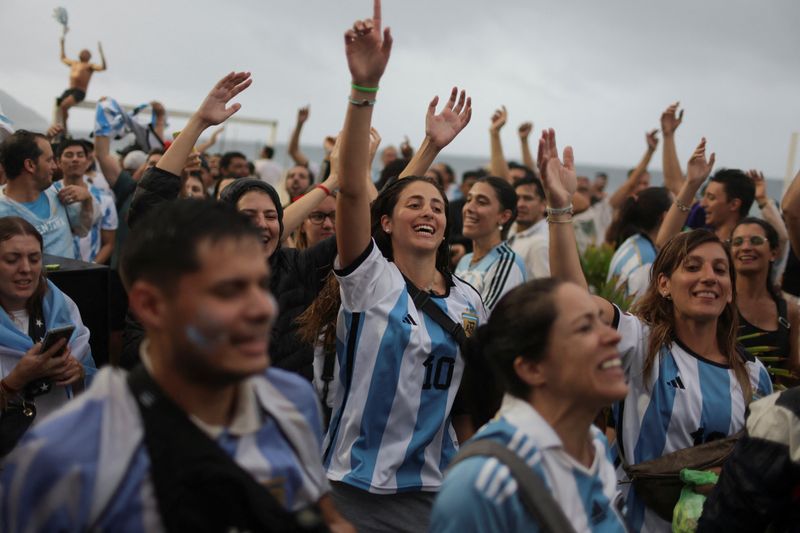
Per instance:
{"type": "Point", "coordinates": [79, 75]}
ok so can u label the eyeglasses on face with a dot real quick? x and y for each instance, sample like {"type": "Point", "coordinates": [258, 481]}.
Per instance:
{"type": "Point", "coordinates": [755, 240]}
{"type": "Point", "coordinates": [318, 217]}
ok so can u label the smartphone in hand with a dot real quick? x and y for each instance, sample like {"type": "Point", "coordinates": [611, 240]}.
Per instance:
{"type": "Point", "coordinates": [54, 335]}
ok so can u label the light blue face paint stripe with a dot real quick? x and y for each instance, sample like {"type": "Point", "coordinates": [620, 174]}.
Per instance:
{"type": "Point", "coordinates": [715, 389]}
{"type": "Point", "coordinates": [432, 409]}
{"type": "Point", "coordinates": [653, 432]}
{"type": "Point", "coordinates": [382, 389]}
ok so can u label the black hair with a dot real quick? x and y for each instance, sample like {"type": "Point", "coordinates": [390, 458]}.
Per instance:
{"type": "Point", "coordinates": [87, 145]}
{"type": "Point", "coordinates": [251, 168]}
{"type": "Point", "coordinates": [529, 173]}
{"type": "Point", "coordinates": [241, 186]}
{"type": "Point", "coordinates": [507, 197]}
{"type": "Point", "coordinates": [449, 170]}
{"type": "Point", "coordinates": [639, 214]}
{"type": "Point", "coordinates": [69, 143]}
{"type": "Point", "coordinates": [268, 151]}
{"type": "Point", "coordinates": [392, 170]}
{"type": "Point", "coordinates": [774, 244]}
{"type": "Point", "coordinates": [737, 185]}
{"type": "Point", "coordinates": [534, 181]}
{"type": "Point", "coordinates": [18, 148]}
{"type": "Point", "coordinates": [477, 174]}
{"type": "Point", "coordinates": [519, 326]}
{"type": "Point", "coordinates": [227, 157]}
{"type": "Point", "coordinates": [163, 245]}
{"type": "Point", "coordinates": [384, 205]}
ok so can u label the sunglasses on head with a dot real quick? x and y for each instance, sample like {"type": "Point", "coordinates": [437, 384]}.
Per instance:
{"type": "Point", "coordinates": [755, 240]}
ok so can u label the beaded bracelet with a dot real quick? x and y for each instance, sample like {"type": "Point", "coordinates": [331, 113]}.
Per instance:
{"type": "Point", "coordinates": [682, 206]}
{"type": "Point", "coordinates": [361, 103]}
{"type": "Point", "coordinates": [560, 210]}
{"type": "Point", "coordinates": [551, 220]}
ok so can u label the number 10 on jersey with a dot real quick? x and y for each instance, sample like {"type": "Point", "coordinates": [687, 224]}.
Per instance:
{"type": "Point", "coordinates": [438, 373]}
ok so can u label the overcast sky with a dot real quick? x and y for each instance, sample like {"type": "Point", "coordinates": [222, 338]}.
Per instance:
{"type": "Point", "coordinates": [598, 72]}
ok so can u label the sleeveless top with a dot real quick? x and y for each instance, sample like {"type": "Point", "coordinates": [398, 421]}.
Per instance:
{"type": "Point", "coordinates": [771, 347]}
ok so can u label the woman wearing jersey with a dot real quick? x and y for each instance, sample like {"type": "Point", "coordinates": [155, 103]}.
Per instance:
{"type": "Point", "coordinates": [688, 384]}
{"type": "Point", "coordinates": [558, 375]}
{"type": "Point", "coordinates": [767, 326]}
{"type": "Point", "coordinates": [492, 267]}
{"type": "Point", "coordinates": [633, 234]}
{"type": "Point", "coordinates": [392, 433]}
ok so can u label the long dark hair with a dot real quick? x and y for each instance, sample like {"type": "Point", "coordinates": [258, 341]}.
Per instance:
{"type": "Point", "coordinates": [639, 214]}
{"type": "Point", "coordinates": [11, 227]}
{"type": "Point", "coordinates": [659, 313]}
{"type": "Point", "coordinates": [506, 196]}
{"type": "Point", "coordinates": [774, 243]}
{"type": "Point", "coordinates": [384, 205]}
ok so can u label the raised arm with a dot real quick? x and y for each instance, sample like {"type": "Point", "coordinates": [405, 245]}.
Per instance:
{"type": "Point", "coordinates": [294, 141]}
{"type": "Point", "coordinates": [673, 176]}
{"type": "Point", "coordinates": [296, 212]}
{"type": "Point", "coordinates": [109, 164]}
{"type": "Point", "coordinates": [212, 111]}
{"type": "Point", "coordinates": [560, 182]}
{"type": "Point", "coordinates": [161, 118]}
{"type": "Point", "coordinates": [628, 187]}
{"type": "Point", "coordinates": [367, 48]}
{"type": "Point", "coordinates": [498, 165]}
{"type": "Point", "coordinates": [102, 66]}
{"type": "Point", "coordinates": [697, 170]}
{"type": "Point", "coordinates": [212, 140]}
{"type": "Point", "coordinates": [524, 131]}
{"type": "Point", "coordinates": [64, 55]}
{"type": "Point", "coordinates": [768, 209]}
{"type": "Point", "coordinates": [791, 212]}
{"type": "Point", "coordinates": [440, 130]}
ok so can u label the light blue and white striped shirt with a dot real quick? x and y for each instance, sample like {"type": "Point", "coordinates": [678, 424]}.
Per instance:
{"type": "Point", "coordinates": [87, 468]}
{"type": "Point", "coordinates": [494, 275]}
{"type": "Point", "coordinates": [686, 400]}
{"type": "Point", "coordinates": [480, 495]}
{"type": "Point", "coordinates": [399, 373]}
{"type": "Point", "coordinates": [86, 248]}
{"type": "Point", "coordinates": [632, 263]}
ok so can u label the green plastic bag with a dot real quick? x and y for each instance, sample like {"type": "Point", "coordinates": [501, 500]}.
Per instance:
{"type": "Point", "coordinates": [690, 504]}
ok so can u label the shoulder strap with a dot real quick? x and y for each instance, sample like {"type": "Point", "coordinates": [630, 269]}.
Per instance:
{"type": "Point", "coordinates": [423, 302]}
{"type": "Point", "coordinates": [783, 313]}
{"type": "Point", "coordinates": [535, 496]}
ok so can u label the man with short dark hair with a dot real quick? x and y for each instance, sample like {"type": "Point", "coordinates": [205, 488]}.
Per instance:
{"type": "Point", "coordinates": [29, 165]}
{"type": "Point", "coordinates": [268, 170]}
{"type": "Point", "coordinates": [98, 245]}
{"type": "Point", "coordinates": [203, 436]}
{"type": "Point", "coordinates": [530, 239]}
{"type": "Point", "coordinates": [233, 165]}
{"type": "Point", "coordinates": [728, 198]}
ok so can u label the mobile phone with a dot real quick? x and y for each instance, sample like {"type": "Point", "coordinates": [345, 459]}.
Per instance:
{"type": "Point", "coordinates": [54, 335]}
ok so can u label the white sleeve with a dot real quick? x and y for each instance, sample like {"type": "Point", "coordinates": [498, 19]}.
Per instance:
{"type": "Point", "coordinates": [633, 344]}
{"type": "Point", "coordinates": [538, 259]}
{"type": "Point", "coordinates": [366, 280]}
{"type": "Point", "coordinates": [504, 275]}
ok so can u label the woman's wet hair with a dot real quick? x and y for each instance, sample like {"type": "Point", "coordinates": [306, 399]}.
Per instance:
{"type": "Point", "coordinates": [639, 214]}
{"type": "Point", "coordinates": [385, 203]}
{"type": "Point", "coordinates": [507, 197]}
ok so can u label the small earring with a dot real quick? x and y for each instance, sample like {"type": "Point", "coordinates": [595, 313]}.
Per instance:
{"type": "Point", "coordinates": [387, 231]}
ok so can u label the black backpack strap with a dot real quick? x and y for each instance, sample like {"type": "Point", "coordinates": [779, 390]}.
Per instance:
{"type": "Point", "coordinates": [423, 302]}
{"type": "Point", "coordinates": [198, 486]}
{"type": "Point", "coordinates": [534, 494]}
{"type": "Point", "coordinates": [328, 366]}
{"type": "Point", "coordinates": [783, 314]}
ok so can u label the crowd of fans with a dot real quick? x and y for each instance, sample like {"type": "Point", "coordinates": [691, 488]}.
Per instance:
{"type": "Point", "coordinates": [308, 349]}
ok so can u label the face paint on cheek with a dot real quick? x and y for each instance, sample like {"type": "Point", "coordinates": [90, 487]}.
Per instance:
{"type": "Point", "coordinates": [206, 334]}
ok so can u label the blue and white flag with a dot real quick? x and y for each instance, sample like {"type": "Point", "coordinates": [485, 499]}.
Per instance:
{"type": "Point", "coordinates": [112, 120]}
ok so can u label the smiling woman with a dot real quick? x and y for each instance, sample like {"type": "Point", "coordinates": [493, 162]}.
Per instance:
{"type": "Point", "coordinates": [688, 382]}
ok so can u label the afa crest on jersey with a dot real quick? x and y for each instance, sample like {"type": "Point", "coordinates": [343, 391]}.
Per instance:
{"type": "Point", "coordinates": [469, 321]}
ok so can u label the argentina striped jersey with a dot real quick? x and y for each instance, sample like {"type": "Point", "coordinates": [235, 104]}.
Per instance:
{"type": "Point", "coordinates": [86, 467]}
{"type": "Point", "coordinates": [86, 248]}
{"type": "Point", "coordinates": [399, 373]}
{"type": "Point", "coordinates": [632, 263]}
{"type": "Point", "coordinates": [480, 495]}
{"type": "Point", "coordinates": [494, 275]}
{"type": "Point", "coordinates": [685, 401]}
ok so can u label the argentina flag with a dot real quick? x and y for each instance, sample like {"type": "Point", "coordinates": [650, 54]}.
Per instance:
{"type": "Point", "coordinates": [59, 310]}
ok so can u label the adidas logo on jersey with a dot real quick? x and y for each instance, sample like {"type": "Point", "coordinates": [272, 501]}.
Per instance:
{"type": "Point", "coordinates": [676, 383]}
{"type": "Point", "coordinates": [409, 320]}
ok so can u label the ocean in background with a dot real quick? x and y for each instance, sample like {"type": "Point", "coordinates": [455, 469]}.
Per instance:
{"type": "Point", "coordinates": [459, 162]}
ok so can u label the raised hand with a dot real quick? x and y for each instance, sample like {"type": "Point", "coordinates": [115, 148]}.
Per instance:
{"type": "Point", "coordinates": [761, 186]}
{"type": "Point", "coordinates": [73, 193]}
{"type": "Point", "coordinates": [699, 167]}
{"type": "Point", "coordinates": [525, 130]}
{"type": "Point", "coordinates": [368, 50]}
{"type": "Point", "coordinates": [441, 129]}
{"type": "Point", "coordinates": [671, 119]}
{"type": "Point", "coordinates": [406, 150]}
{"type": "Point", "coordinates": [498, 119]}
{"type": "Point", "coordinates": [216, 133]}
{"type": "Point", "coordinates": [558, 178]}
{"type": "Point", "coordinates": [374, 142]}
{"type": "Point", "coordinates": [158, 108]}
{"type": "Point", "coordinates": [302, 115]}
{"type": "Point", "coordinates": [213, 110]}
{"type": "Point", "coordinates": [652, 140]}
